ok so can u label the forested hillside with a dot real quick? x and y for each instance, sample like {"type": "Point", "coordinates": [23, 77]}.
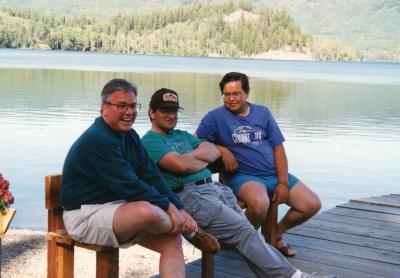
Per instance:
{"type": "Point", "coordinates": [232, 29]}
{"type": "Point", "coordinates": [371, 27]}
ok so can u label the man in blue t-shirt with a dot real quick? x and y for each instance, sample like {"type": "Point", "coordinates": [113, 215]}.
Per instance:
{"type": "Point", "coordinates": [251, 147]}
{"type": "Point", "coordinates": [183, 159]}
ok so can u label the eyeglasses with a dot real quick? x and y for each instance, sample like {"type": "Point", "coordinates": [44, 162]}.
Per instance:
{"type": "Point", "coordinates": [123, 107]}
{"type": "Point", "coordinates": [234, 95]}
{"type": "Point", "coordinates": [169, 111]}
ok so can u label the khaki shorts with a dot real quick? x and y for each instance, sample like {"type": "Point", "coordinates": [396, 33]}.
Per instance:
{"type": "Point", "coordinates": [92, 224]}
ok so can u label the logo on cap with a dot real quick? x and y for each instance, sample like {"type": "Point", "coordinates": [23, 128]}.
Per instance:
{"type": "Point", "coordinates": [170, 97]}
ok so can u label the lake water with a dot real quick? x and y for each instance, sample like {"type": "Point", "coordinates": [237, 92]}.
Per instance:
{"type": "Point", "coordinates": [341, 120]}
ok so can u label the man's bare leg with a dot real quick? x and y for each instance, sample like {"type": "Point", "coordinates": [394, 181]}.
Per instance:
{"type": "Point", "coordinates": [172, 263]}
{"type": "Point", "coordinates": [134, 217]}
{"type": "Point", "coordinates": [255, 196]}
{"type": "Point", "coordinates": [303, 204]}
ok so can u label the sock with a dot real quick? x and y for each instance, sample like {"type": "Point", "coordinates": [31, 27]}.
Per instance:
{"type": "Point", "coordinates": [297, 274]}
{"type": "Point", "coordinates": [191, 235]}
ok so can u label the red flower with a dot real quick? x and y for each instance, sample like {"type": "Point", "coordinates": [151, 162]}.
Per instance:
{"type": "Point", "coordinates": [6, 198]}
{"type": "Point", "coordinates": [4, 184]}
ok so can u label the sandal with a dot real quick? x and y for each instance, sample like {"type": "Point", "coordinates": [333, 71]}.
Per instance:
{"type": "Point", "coordinates": [285, 249]}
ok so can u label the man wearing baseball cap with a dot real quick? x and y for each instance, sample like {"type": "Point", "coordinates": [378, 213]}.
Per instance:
{"type": "Point", "coordinates": [183, 160]}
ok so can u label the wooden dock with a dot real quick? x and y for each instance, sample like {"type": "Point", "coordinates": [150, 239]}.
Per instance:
{"type": "Point", "coordinates": [358, 239]}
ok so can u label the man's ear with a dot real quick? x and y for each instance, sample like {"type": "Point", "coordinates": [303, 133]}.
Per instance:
{"type": "Point", "coordinates": [151, 113]}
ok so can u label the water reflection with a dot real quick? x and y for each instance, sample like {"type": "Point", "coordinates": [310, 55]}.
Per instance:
{"type": "Point", "coordinates": [342, 139]}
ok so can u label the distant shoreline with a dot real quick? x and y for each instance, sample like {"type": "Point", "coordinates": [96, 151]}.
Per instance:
{"type": "Point", "coordinates": [274, 55]}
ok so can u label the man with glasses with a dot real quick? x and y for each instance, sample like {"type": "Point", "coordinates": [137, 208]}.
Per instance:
{"type": "Point", "coordinates": [183, 159]}
{"type": "Point", "coordinates": [251, 147]}
{"type": "Point", "coordinates": [114, 195]}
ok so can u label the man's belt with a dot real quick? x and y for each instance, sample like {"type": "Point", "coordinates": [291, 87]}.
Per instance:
{"type": "Point", "coordinates": [198, 182]}
{"type": "Point", "coordinates": [203, 181]}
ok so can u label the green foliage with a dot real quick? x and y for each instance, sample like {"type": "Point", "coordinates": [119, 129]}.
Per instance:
{"type": "Point", "coordinates": [226, 29]}
{"type": "Point", "coordinates": [370, 27]}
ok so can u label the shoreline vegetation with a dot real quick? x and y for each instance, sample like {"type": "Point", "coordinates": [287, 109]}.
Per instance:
{"type": "Point", "coordinates": [230, 29]}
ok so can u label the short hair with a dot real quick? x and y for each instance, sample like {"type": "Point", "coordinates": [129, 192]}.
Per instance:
{"type": "Point", "coordinates": [117, 85]}
{"type": "Point", "coordinates": [235, 76]}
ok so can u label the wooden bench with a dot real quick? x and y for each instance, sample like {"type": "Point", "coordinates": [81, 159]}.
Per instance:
{"type": "Point", "coordinates": [60, 247]}
{"type": "Point", "coordinates": [60, 252]}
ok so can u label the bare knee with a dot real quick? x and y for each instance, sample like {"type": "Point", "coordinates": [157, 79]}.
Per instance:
{"type": "Point", "coordinates": [304, 200]}
{"type": "Point", "coordinates": [258, 205]}
{"type": "Point", "coordinates": [314, 206]}
{"type": "Point", "coordinates": [255, 196]}
{"type": "Point", "coordinates": [147, 210]}
{"type": "Point", "coordinates": [140, 212]}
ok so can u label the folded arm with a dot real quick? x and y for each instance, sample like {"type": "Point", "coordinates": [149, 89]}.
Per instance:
{"type": "Point", "coordinates": [181, 163]}
{"type": "Point", "coordinates": [206, 151]}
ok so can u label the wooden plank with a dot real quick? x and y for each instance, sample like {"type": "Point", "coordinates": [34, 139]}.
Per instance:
{"type": "Point", "coordinates": [387, 198]}
{"type": "Point", "coordinates": [310, 267]}
{"type": "Point", "coordinates": [230, 266]}
{"type": "Point", "coordinates": [377, 202]}
{"type": "Point", "coordinates": [367, 207]}
{"type": "Point", "coordinates": [193, 271]}
{"type": "Point", "coordinates": [364, 214]}
{"type": "Point", "coordinates": [353, 229]}
{"type": "Point", "coordinates": [368, 223]}
{"type": "Point", "coordinates": [231, 254]}
{"type": "Point", "coordinates": [234, 267]}
{"type": "Point", "coordinates": [337, 248]}
{"type": "Point", "coordinates": [347, 262]}
{"type": "Point", "coordinates": [346, 238]}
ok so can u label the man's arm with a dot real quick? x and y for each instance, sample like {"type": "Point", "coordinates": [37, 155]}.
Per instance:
{"type": "Point", "coordinates": [150, 173]}
{"type": "Point", "coordinates": [281, 163]}
{"type": "Point", "coordinates": [206, 151]}
{"type": "Point", "coordinates": [229, 160]}
{"type": "Point", "coordinates": [181, 163]}
{"type": "Point", "coordinates": [119, 176]}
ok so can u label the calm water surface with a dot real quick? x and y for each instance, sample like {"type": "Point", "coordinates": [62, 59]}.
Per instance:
{"type": "Point", "coordinates": [341, 120]}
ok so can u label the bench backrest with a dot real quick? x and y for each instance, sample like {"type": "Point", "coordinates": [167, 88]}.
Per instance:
{"type": "Point", "coordinates": [53, 203]}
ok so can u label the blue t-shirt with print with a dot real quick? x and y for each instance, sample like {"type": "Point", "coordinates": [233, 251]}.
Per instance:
{"type": "Point", "coordinates": [250, 138]}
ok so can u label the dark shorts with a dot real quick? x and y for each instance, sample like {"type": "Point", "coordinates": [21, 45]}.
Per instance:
{"type": "Point", "coordinates": [270, 182]}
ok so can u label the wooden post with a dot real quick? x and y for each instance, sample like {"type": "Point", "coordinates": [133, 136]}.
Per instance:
{"type": "Point", "coordinates": [207, 265]}
{"type": "Point", "coordinates": [107, 263]}
{"type": "Point", "coordinates": [64, 260]}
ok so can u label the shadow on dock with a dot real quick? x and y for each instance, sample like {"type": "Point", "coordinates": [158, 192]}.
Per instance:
{"type": "Point", "coordinates": [358, 239]}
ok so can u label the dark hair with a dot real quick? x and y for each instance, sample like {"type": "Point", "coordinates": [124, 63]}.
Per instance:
{"type": "Point", "coordinates": [235, 76]}
{"type": "Point", "coordinates": [117, 85]}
